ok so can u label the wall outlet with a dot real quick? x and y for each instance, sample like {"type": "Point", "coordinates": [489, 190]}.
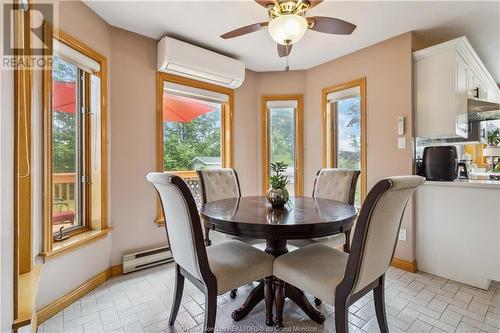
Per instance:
{"type": "Point", "coordinates": [402, 235]}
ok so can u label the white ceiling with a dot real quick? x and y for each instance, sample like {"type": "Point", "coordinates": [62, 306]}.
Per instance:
{"type": "Point", "coordinates": [201, 23]}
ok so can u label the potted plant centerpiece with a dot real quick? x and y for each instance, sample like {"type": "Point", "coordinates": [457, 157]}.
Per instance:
{"type": "Point", "coordinates": [492, 150]}
{"type": "Point", "coordinates": [278, 194]}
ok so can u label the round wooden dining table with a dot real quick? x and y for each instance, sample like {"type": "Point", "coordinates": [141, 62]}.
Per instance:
{"type": "Point", "coordinates": [302, 218]}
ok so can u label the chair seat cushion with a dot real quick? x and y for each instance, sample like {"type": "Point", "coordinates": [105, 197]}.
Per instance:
{"type": "Point", "coordinates": [316, 269]}
{"type": "Point", "coordinates": [235, 264]}
{"type": "Point", "coordinates": [332, 241]}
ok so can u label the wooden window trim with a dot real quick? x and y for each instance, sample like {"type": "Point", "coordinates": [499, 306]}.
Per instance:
{"type": "Point", "coordinates": [93, 230]}
{"type": "Point", "coordinates": [227, 130]}
{"type": "Point", "coordinates": [28, 290]}
{"type": "Point", "coordinates": [299, 141]}
{"type": "Point", "coordinates": [361, 83]}
{"type": "Point", "coordinates": [23, 268]}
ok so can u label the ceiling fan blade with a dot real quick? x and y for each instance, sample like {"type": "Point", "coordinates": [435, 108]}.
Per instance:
{"type": "Point", "coordinates": [284, 50]}
{"type": "Point", "coordinates": [314, 3]}
{"type": "Point", "coordinates": [331, 25]}
{"type": "Point", "coordinates": [265, 3]}
{"type": "Point", "coordinates": [245, 30]}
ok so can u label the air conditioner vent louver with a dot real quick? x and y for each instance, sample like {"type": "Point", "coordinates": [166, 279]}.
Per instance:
{"type": "Point", "coordinates": [140, 260]}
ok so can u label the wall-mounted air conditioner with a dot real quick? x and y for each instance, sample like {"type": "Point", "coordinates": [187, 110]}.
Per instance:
{"type": "Point", "coordinates": [183, 59]}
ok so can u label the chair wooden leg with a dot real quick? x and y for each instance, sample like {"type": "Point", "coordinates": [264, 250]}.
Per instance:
{"type": "Point", "coordinates": [279, 298]}
{"type": "Point", "coordinates": [268, 298]}
{"type": "Point", "coordinates": [341, 316]}
{"type": "Point", "coordinates": [208, 242]}
{"type": "Point", "coordinates": [210, 310]}
{"type": "Point", "coordinates": [179, 288]}
{"type": "Point", "coordinates": [347, 244]}
{"type": "Point", "coordinates": [379, 297]}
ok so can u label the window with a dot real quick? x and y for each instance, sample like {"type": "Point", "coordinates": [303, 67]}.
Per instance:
{"type": "Point", "coordinates": [282, 138]}
{"type": "Point", "coordinates": [194, 128]}
{"type": "Point", "coordinates": [74, 144]}
{"type": "Point", "coordinates": [68, 143]}
{"type": "Point", "coordinates": [344, 126]}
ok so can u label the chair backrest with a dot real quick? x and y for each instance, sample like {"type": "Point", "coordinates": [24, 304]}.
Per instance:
{"type": "Point", "coordinates": [218, 184]}
{"type": "Point", "coordinates": [336, 184]}
{"type": "Point", "coordinates": [377, 230]}
{"type": "Point", "coordinates": [182, 223]}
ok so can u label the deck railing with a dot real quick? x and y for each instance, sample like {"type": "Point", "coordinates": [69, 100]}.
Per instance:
{"type": "Point", "coordinates": [63, 187]}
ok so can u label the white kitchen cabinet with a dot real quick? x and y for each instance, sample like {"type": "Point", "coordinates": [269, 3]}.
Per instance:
{"type": "Point", "coordinates": [445, 76]}
{"type": "Point", "coordinates": [476, 88]}
{"type": "Point", "coordinates": [461, 93]}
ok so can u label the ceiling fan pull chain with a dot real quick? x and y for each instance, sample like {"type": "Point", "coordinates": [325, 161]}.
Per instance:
{"type": "Point", "coordinates": [287, 68]}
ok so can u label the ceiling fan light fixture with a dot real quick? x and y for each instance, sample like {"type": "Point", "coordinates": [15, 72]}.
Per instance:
{"type": "Point", "coordinates": [287, 29]}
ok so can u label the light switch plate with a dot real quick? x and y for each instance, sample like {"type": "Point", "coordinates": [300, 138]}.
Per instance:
{"type": "Point", "coordinates": [402, 235]}
{"type": "Point", "coordinates": [401, 142]}
{"type": "Point", "coordinates": [401, 125]}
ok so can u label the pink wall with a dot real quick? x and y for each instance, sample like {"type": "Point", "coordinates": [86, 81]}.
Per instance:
{"type": "Point", "coordinates": [387, 67]}
{"type": "Point", "coordinates": [133, 137]}
{"type": "Point", "coordinates": [245, 127]}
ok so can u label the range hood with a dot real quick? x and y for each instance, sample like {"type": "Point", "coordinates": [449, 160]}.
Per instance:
{"type": "Point", "coordinates": [479, 110]}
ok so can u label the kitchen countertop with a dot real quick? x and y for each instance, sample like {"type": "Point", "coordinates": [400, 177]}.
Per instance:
{"type": "Point", "coordinates": [491, 184]}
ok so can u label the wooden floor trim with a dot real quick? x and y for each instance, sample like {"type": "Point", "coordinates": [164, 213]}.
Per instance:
{"type": "Point", "coordinates": [410, 266]}
{"type": "Point", "coordinates": [65, 300]}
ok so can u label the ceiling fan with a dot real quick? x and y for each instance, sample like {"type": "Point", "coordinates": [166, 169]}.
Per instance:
{"type": "Point", "coordinates": [288, 23]}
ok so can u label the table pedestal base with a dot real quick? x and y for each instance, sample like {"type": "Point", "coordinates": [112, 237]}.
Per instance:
{"type": "Point", "coordinates": [266, 289]}
{"type": "Point", "coordinates": [255, 296]}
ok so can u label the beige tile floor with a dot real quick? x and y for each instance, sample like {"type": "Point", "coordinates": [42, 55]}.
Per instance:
{"type": "Point", "coordinates": [416, 302]}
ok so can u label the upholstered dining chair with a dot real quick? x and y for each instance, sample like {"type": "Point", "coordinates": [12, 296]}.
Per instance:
{"type": "Point", "coordinates": [340, 185]}
{"type": "Point", "coordinates": [214, 270]}
{"type": "Point", "coordinates": [334, 184]}
{"type": "Point", "coordinates": [217, 184]}
{"type": "Point", "coordinates": [340, 278]}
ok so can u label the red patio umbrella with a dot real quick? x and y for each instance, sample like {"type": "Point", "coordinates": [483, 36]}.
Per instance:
{"type": "Point", "coordinates": [182, 109]}
{"type": "Point", "coordinates": [64, 96]}
{"type": "Point", "coordinates": [175, 108]}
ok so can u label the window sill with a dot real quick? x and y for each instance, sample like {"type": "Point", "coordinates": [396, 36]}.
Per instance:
{"type": "Point", "coordinates": [74, 242]}
{"type": "Point", "coordinates": [28, 289]}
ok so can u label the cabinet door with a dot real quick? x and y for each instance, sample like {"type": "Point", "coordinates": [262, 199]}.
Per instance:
{"type": "Point", "coordinates": [483, 92]}
{"type": "Point", "coordinates": [462, 75]}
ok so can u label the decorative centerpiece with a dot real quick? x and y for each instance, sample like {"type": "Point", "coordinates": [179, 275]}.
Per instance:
{"type": "Point", "coordinates": [278, 194]}
{"type": "Point", "coordinates": [492, 150]}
